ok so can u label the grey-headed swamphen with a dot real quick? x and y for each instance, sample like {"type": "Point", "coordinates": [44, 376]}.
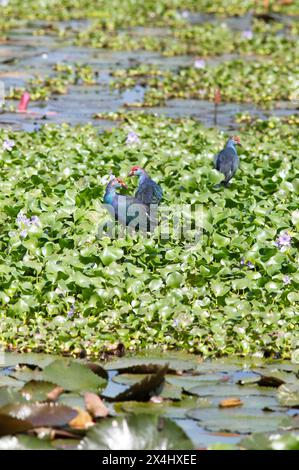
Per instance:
{"type": "Point", "coordinates": [227, 161]}
{"type": "Point", "coordinates": [128, 210]}
{"type": "Point", "coordinates": [148, 191]}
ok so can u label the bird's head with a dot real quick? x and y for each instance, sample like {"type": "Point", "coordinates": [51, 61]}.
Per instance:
{"type": "Point", "coordinates": [236, 139]}
{"type": "Point", "coordinates": [136, 171]}
{"type": "Point", "coordinates": [117, 183]}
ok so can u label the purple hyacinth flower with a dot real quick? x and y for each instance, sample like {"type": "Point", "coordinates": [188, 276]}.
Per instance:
{"type": "Point", "coordinates": [71, 311]}
{"type": "Point", "coordinates": [199, 64]}
{"type": "Point", "coordinates": [8, 145]}
{"type": "Point", "coordinates": [287, 280]}
{"type": "Point", "coordinates": [23, 234]}
{"type": "Point", "coordinates": [185, 14]}
{"type": "Point", "coordinates": [247, 34]}
{"type": "Point", "coordinates": [250, 265]}
{"type": "Point", "coordinates": [132, 138]}
{"type": "Point", "coordinates": [284, 240]}
{"type": "Point", "coordinates": [23, 220]}
{"type": "Point", "coordinates": [35, 220]}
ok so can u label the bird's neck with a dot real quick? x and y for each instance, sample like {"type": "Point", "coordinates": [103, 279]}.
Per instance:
{"type": "Point", "coordinates": [142, 177]}
{"type": "Point", "coordinates": [231, 144]}
{"type": "Point", "coordinates": [109, 195]}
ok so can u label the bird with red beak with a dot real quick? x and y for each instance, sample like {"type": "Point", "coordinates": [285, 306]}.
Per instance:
{"type": "Point", "coordinates": [227, 160]}
{"type": "Point", "coordinates": [148, 191]}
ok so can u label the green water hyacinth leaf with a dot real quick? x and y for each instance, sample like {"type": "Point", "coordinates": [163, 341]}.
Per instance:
{"type": "Point", "coordinates": [174, 279]}
{"type": "Point", "coordinates": [220, 241]}
{"type": "Point", "coordinates": [138, 432]}
{"type": "Point", "coordinates": [73, 376]}
{"type": "Point", "coordinates": [111, 254]}
{"type": "Point", "coordinates": [219, 288]}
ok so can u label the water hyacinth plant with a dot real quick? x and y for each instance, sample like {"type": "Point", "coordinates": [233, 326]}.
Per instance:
{"type": "Point", "coordinates": [140, 289]}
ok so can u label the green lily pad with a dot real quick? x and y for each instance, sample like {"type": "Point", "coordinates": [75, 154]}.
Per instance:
{"type": "Point", "coordinates": [6, 381]}
{"type": "Point", "coordinates": [229, 390]}
{"type": "Point", "coordinates": [73, 376]}
{"type": "Point", "coordinates": [38, 359]}
{"type": "Point", "coordinates": [37, 390]}
{"type": "Point", "coordinates": [288, 395]}
{"type": "Point", "coordinates": [259, 441]}
{"type": "Point", "coordinates": [136, 432]}
{"type": "Point", "coordinates": [24, 443]}
{"type": "Point", "coordinates": [167, 408]}
{"type": "Point", "coordinates": [10, 395]}
{"type": "Point", "coordinates": [239, 420]}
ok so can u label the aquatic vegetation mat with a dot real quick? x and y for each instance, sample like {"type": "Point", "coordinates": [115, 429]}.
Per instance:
{"type": "Point", "coordinates": [66, 286]}
{"type": "Point", "coordinates": [178, 402]}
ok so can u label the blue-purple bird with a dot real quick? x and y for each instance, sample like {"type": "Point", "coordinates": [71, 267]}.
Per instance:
{"type": "Point", "coordinates": [128, 210]}
{"type": "Point", "coordinates": [148, 191]}
{"type": "Point", "coordinates": [227, 161]}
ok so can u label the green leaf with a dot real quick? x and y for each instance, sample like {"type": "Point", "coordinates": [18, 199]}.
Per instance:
{"type": "Point", "coordinates": [137, 432]}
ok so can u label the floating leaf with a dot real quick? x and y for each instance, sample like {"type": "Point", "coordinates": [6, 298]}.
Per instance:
{"type": "Point", "coordinates": [137, 432]}
{"type": "Point", "coordinates": [73, 376]}
{"type": "Point", "coordinates": [38, 415]}
{"type": "Point", "coordinates": [240, 420]}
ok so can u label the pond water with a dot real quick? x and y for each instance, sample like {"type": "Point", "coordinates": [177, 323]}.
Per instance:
{"type": "Point", "coordinates": [212, 402]}
{"type": "Point", "coordinates": [24, 55]}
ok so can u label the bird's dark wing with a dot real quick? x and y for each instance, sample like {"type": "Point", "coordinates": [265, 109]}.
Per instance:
{"type": "Point", "coordinates": [158, 193]}
{"type": "Point", "coordinates": [225, 160]}
{"type": "Point", "coordinates": [149, 192]}
{"type": "Point", "coordinates": [145, 192]}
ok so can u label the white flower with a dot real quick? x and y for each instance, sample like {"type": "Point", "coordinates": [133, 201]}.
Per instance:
{"type": "Point", "coordinates": [8, 145]}
{"type": "Point", "coordinates": [199, 64]}
{"type": "Point", "coordinates": [132, 138]}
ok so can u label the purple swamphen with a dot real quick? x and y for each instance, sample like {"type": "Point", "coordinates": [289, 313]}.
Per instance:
{"type": "Point", "coordinates": [128, 210]}
{"type": "Point", "coordinates": [227, 161]}
{"type": "Point", "coordinates": [148, 191]}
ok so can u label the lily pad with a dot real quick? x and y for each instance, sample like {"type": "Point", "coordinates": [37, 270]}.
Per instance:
{"type": "Point", "coordinates": [38, 415]}
{"type": "Point", "coordinates": [24, 443]}
{"type": "Point", "coordinates": [136, 432]}
{"type": "Point", "coordinates": [73, 376]}
{"type": "Point", "coordinates": [288, 395]}
{"type": "Point", "coordinates": [10, 395]}
{"type": "Point", "coordinates": [240, 420]}
{"type": "Point", "coordinates": [12, 425]}
{"type": "Point", "coordinates": [37, 390]}
{"type": "Point", "coordinates": [228, 390]}
{"type": "Point", "coordinates": [166, 408]}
